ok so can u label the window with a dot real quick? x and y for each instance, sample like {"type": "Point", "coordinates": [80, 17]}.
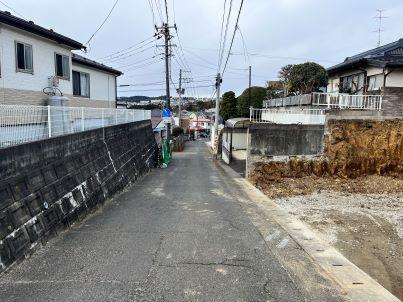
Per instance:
{"type": "Point", "coordinates": [81, 84]}
{"type": "Point", "coordinates": [353, 84]}
{"type": "Point", "coordinates": [62, 65]}
{"type": "Point", "coordinates": [24, 59]}
{"type": "Point", "coordinates": [375, 82]}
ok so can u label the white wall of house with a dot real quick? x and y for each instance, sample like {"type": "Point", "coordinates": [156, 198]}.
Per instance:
{"type": "Point", "coordinates": [395, 79]}
{"type": "Point", "coordinates": [26, 88]}
{"type": "Point", "coordinates": [334, 81]}
{"type": "Point", "coordinates": [102, 84]}
{"type": "Point", "coordinates": [43, 61]}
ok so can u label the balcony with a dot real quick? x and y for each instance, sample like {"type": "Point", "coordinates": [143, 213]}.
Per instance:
{"type": "Point", "coordinates": [328, 101]}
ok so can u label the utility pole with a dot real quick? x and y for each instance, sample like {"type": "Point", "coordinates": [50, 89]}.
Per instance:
{"type": "Point", "coordinates": [180, 92]}
{"type": "Point", "coordinates": [250, 85]}
{"type": "Point", "coordinates": [168, 96]}
{"type": "Point", "coordinates": [217, 103]}
{"type": "Point", "coordinates": [164, 30]}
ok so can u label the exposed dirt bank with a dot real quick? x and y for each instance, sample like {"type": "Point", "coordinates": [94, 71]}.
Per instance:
{"type": "Point", "coordinates": [373, 184]}
{"type": "Point", "coordinates": [362, 147]}
{"type": "Point", "coordinates": [352, 149]}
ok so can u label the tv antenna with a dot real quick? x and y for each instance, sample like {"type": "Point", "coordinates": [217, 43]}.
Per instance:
{"type": "Point", "coordinates": [380, 18]}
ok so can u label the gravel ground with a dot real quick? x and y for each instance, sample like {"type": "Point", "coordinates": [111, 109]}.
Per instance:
{"type": "Point", "coordinates": [366, 228]}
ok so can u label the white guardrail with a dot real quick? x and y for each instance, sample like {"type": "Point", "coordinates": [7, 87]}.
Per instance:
{"type": "Point", "coordinates": [294, 116]}
{"type": "Point", "coordinates": [329, 100]}
{"type": "Point", "coordinates": [21, 124]}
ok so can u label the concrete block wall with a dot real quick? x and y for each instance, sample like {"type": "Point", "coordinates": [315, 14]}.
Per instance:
{"type": "Point", "coordinates": [279, 142]}
{"type": "Point", "coordinates": [47, 185]}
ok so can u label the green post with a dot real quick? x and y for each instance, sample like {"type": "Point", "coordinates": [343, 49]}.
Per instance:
{"type": "Point", "coordinates": [166, 157]}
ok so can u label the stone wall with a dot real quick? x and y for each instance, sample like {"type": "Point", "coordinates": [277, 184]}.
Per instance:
{"type": "Point", "coordinates": [47, 185]}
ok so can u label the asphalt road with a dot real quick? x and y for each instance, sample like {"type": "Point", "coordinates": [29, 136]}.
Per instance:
{"type": "Point", "coordinates": [179, 234]}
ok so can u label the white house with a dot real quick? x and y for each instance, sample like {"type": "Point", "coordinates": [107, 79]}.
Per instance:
{"type": "Point", "coordinates": [376, 71]}
{"type": "Point", "coordinates": [33, 58]}
{"type": "Point", "coordinates": [202, 124]}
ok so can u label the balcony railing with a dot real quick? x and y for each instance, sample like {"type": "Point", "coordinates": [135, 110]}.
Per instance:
{"type": "Point", "coordinates": [328, 100]}
{"type": "Point", "coordinates": [295, 100]}
{"type": "Point", "coordinates": [347, 101]}
{"type": "Point", "coordinates": [21, 124]}
{"type": "Point", "coordinates": [284, 116]}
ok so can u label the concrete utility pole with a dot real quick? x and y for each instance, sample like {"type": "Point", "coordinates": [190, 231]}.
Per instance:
{"type": "Point", "coordinates": [164, 30]}
{"type": "Point", "coordinates": [180, 97]}
{"type": "Point", "coordinates": [250, 85]}
{"type": "Point", "coordinates": [217, 103]}
{"type": "Point", "coordinates": [168, 96]}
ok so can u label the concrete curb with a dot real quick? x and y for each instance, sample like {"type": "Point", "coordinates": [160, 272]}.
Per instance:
{"type": "Point", "coordinates": [357, 285]}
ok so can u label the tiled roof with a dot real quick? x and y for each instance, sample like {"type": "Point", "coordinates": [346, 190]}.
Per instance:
{"type": "Point", "coordinates": [90, 63]}
{"type": "Point", "coordinates": [387, 55]}
{"type": "Point", "coordinates": [29, 26]}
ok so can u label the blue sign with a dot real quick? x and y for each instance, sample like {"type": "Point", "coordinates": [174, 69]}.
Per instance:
{"type": "Point", "coordinates": [166, 113]}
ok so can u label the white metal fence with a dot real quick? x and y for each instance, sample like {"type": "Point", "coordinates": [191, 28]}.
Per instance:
{"type": "Point", "coordinates": [329, 100]}
{"type": "Point", "coordinates": [295, 116]}
{"type": "Point", "coordinates": [347, 101]}
{"type": "Point", "coordinates": [20, 124]}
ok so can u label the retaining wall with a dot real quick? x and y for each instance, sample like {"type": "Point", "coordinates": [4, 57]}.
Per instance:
{"type": "Point", "coordinates": [277, 142]}
{"type": "Point", "coordinates": [47, 185]}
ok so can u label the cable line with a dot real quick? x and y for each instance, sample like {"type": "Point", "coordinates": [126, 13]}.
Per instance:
{"type": "Point", "coordinates": [128, 53]}
{"type": "Point", "coordinates": [233, 37]}
{"type": "Point", "coordinates": [125, 49]}
{"type": "Point", "coordinates": [221, 56]}
{"type": "Point", "coordinates": [102, 24]}
{"type": "Point", "coordinates": [13, 10]}
{"type": "Point", "coordinates": [222, 30]}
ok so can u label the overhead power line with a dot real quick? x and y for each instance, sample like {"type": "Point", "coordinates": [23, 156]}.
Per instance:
{"type": "Point", "coordinates": [139, 90]}
{"type": "Point", "coordinates": [152, 10]}
{"type": "Point", "coordinates": [222, 31]}
{"type": "Point", "coordinates": [124, 49]}
{"type": "Point", "coordinates": [159, 9]}
{"type": "Point", "coordinates": [224, 42]}
{"type": "Point", "coordinates": [13, 10]}
{"type": "Point", "coordinates": [120, 58]}
{"type": "Point", "coordinates": [233, 37]}
{"type": "Point", "coordinates": [127, 54]}
{"type": "Point", "coordinates": [137, 62]}
{"type": "Point", "coordinates": [102, 24]}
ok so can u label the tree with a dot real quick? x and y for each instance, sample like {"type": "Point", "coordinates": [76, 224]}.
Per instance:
{"type": "Point", "coordinates": [284, 76]}
{"type": "Point", "coordinates": [258, 94]}
{"type": "Point", "coordinates": [228, 106]}
{"type": "Point", "coordinates": [275, 89]}
{"type": "Point", "coordinates": [307, 77]}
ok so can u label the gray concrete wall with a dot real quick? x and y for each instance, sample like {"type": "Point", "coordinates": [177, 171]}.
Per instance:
{"type": "Point", "coordinates": [268, 142]}
{"type": "Point", "coordinates": [46, 185]}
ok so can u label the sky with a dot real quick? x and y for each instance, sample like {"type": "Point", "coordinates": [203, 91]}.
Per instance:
{"type": "Point", "coordinates": [275, 33]}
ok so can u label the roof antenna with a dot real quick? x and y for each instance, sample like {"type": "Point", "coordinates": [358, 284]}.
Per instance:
{"type": "Point", "coordinates": [380, 17]}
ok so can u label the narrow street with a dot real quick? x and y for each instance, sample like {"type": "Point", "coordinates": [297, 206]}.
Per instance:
{"type": "Point", "coordinates": [179, 234]}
